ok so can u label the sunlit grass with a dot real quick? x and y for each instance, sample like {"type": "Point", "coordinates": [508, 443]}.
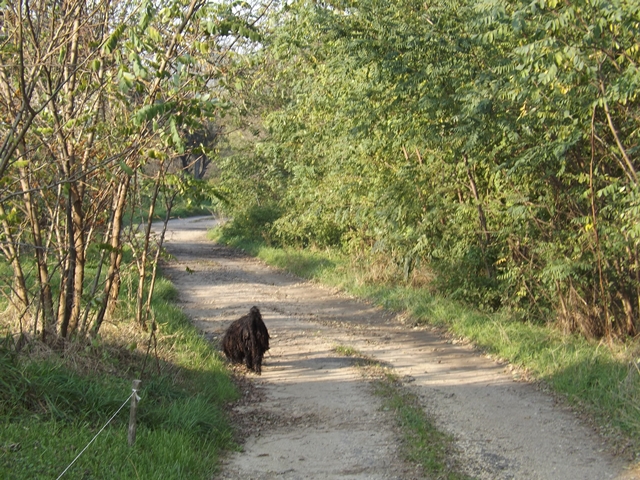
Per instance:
{"type": "Point", "coordinates": [347, 351]}
{"type": "Point", "coordinates": [52, 406]}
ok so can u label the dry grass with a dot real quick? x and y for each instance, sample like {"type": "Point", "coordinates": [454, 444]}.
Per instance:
{"type": "Point", "coordinates": [381, 269]}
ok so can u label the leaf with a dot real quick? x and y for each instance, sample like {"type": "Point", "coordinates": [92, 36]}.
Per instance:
{"type": "Point", "coordinates": [149, 112]}
{"type": "Point", "coordinates": [114, 38]}
{"type": "Point", "coordinates": [148, 12]}
{"type": "Point", "coordinates": [155, 154]}
{"type": "Point", "coordinates": [126, 168]}
{"type": "Point", "coordinates": [154, 34]}
{"type": "Point", "coordinates": [21, 163]}
{"type": "Point", "coordinates": [139, 70]}
{"type": "Point", "coordinates": [175, 136]}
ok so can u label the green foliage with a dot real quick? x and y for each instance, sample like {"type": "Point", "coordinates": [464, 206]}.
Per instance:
{"type": "Point", "coordinates": [252, 224]}
{"type": "Point", "coordinates": [494, 141]}
{"type": "Point", "coordinates": [149, 112]}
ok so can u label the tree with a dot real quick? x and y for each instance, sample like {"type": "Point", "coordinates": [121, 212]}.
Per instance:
{"type": "Point", "coordinates": [495, 140]}
{"type": "Point", "coordinates": [94, 97]}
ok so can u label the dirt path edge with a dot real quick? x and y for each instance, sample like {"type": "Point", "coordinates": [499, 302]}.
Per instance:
{"type": "Point", "coordinates": [315, 416]}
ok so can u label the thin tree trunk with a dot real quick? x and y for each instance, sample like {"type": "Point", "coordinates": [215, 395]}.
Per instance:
{"type": "Point", "coordinates": [66, 293]}
{"type": "Point", "coordinates": [142, 267]}
{"type": "Point", "coordinates": [21, 295]}
{"type": "Point", "coordinates": [80, 259]}
{"type": "Point", "coordinates": [169, 205]}
{"type": "Point", "coordinates": [48, 318]}
{"type": "Point", "coordinates": [486, 236]}
{"type": "Point", "coordinates": [112, 284]}
{"type": "Point", "coordinates": [627, 166]}
{"type": "Point", "coordinates": [96, 280]}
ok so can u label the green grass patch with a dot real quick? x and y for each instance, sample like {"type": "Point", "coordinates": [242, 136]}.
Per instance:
{"type": "Point", "coordinates": [45, 449]}
{"type": "Point", "coordinates": [347, 351]}
{"type": "Point", "coordinates": [182, 209]}
{"type": "Point", "coordinates": [602, 380]}
{"type": "Point", "coordinates": [52, 405]}
{"type": "Point", "coordinates": [423, 443]}
{"type": "Point", "coordinates": [310, 264]}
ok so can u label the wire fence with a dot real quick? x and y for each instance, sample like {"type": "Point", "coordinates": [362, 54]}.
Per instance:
{"type": "Point", "coordinates": [134, 394]}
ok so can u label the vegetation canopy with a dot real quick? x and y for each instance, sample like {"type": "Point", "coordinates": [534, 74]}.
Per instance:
{"type": "Point", "coordinates": [494, 143]}
{"type": "Point", "coordinates": [109, 111]}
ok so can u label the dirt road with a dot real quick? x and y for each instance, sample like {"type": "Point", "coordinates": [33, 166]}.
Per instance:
{"type": "Point", "coordinates": [315, 418]}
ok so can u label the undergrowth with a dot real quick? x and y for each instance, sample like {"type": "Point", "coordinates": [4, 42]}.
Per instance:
{"type": "Point", "coordinates": [53, 403]}
{"type": "Point", "coordinates": [600, 379]}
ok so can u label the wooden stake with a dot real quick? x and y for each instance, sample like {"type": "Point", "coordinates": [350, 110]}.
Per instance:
{"type": "Point", "coordinates": [132, 413]}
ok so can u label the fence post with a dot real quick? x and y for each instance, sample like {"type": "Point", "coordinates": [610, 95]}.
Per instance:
{"type": "Point", "coordinates": [132, 413]}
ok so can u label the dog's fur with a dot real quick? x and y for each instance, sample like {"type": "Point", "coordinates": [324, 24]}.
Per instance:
{"type": "Point", "coordinates": [246, 340]}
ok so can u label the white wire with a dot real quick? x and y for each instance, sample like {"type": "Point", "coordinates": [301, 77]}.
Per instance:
{"type": "Point", "coordinates": [96, 436]}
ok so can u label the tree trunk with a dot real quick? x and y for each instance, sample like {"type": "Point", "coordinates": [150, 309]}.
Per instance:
{"type": "Point", "coordinates": [486, 236]}
{"type": "Point", "coordinates": [154, 273]}
{"type": "Point", "coordinates": [112, 283]}
{"type": "Point", "coordinates": [142, 266]}
{"type": "Point", "coordinates": [80, 254]}
{"type": "Point", "coordinates": [20, 295]}
{"type": "Point", "coordinates": [66, 290]}
{"type": "Point", "coordinates": [46, 299]}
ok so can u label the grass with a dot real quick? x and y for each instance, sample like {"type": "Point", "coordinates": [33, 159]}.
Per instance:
{"type": "Point", "coordinates": [601, 380]}
{"type": "Point", "coordinates": [182, 209]}
{"type": "Point", "coordinates": [52, 405]}
{"type": "Point", "coordinates": [423, 443]}
{"type": "Point", "coordinates": [346, 351]}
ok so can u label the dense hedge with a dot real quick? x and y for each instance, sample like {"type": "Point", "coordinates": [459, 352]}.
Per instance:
{"type": "Point", "coordinates": [494, 141]}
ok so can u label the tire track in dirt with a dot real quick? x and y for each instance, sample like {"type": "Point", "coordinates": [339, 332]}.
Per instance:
{"type": "Point", "coordinates": [316, 418]}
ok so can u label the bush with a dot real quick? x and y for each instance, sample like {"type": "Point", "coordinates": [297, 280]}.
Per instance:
{"type": "Point", "coordinates": [254, 223]}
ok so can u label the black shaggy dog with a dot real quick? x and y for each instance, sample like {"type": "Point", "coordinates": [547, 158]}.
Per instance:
{"type": "Point", "coordinates": [246, 340]}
